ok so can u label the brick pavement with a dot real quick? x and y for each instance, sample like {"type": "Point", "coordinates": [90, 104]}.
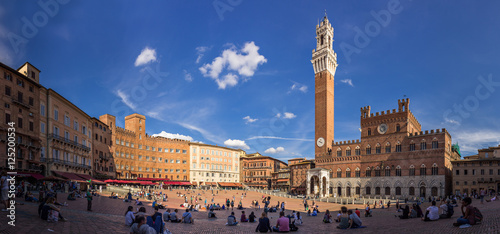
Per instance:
{"type": "Point", "coordinates": [108, 217]}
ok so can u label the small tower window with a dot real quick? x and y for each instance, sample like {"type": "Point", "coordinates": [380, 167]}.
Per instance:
{"type": "Point", "coordinates": [322, 39]}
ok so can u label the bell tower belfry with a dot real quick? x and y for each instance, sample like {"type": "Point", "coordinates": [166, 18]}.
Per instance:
{"type": "Point", "coordinates": [324, 61]}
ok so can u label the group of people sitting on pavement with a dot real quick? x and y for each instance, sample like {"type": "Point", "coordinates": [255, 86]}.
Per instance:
{"type": "Point", "coordinates": [345, 218]}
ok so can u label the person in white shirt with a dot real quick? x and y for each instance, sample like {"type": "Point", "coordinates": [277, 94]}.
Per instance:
{"type": "Point", "coordinates": [129, 216]}
{"type": "Point", "coordinates": [432, 213]}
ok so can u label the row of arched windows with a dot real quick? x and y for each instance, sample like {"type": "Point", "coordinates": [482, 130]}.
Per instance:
{"type": "Point", "coordinates": [387, 171]}
{"type": "Point", "coordinates": [387, 148]}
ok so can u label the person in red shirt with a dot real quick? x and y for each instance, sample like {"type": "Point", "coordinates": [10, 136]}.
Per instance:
{"type": "Point", "coordinates": [358, 212]}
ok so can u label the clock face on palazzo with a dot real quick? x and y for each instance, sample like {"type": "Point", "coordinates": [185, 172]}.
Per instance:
{"type": "Point", "coordinates": [320, 142]}
{"type": "Point", "coordinates": [382, 128]}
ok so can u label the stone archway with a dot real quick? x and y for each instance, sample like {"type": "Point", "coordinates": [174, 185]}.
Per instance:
{"type": "Point", "coordinates": [314, 185]}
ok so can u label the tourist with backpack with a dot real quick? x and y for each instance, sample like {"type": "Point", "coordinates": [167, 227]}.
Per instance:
{"type": "Point", "coordinates": [446, 210]}
{"type": "Point", "coordinates": [471, 215]}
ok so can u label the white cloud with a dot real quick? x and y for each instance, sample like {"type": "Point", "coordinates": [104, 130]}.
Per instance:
{"type": "Point", "coordinates": [451, 121]}
{"type": "Point", "coordinates": [278, 115]}
{"type": "Point", "coordinates": [200, 50]}
{"type": "Point", "coordinates": [289, 115]}
{"type": "Point", "coordinates": [278, 138]}
{"type": "Point", "coordinates": [229, 80]}
{"type": "Point", "coordinates": [347, 81]}
{"type": "Point", "coordinates": [187, 76]}
{"type": "Point", "coordinates": [244, 62]}
{"type": "Point", "coordinates": [236, 144]}
{"type": "Point", "coordinates": [125, 99]}
{"type": "Point", "coordinates": [147, 55]}
{"type": "Point", "coordinates": [471, 141]}
{"type": "Point", "coordinates": [273, 150]}
{"type": "Point", "coordinates": [249, 120]}
{"type": "Point", "coordinates": [173, 136]}
{"type": "Point", "coordinates": [298, 87]}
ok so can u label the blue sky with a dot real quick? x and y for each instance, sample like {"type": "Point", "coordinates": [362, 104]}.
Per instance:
{"type": "Point", "coordinates": [238, 73]}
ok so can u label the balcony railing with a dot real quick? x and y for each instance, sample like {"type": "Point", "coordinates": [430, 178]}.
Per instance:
{"type": "Point", "coordinates": [66, 140]}
{"type": "Point", "coordinates": [65, 162]}
{"type": "Point", "coordinates": [20, 102]}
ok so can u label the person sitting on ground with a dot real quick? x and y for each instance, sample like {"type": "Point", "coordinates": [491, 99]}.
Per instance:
{"type": "Point", "coordinates": [129, 216]}
{"type": "Point", "coordinates": [298, 219]}
{"type": "Point", "coordinates": [71, 196]}
{"type": "Point", "coordinates": [243, 217]}
{"type": "Point", "coordinates": [327, 218]}
{"type": "Point", "coordinates": [138, 203]}
{"type": "Point", "coordinates": [432, 213]}
{"type": "Point", "coordinates": [231, 220]}
{"type": "Point", "coordinates": [29, 197]}
{"type": "Point", "coordinates": [156, 214]}
{"type": "Point", "coordinates": [469, 217]}
{"type": "Point", "coordinates": [173, 217]}
{"type": "Point", "coordinates": [282, 224]}
{"type": "Point", "coordinates": [166, 215]}
{"type": "Point", "coordinates": [446, 210]}
{"type": "Point", "coordinates": [251, 218]}
{"type": "Point", "coordinates": [264, 224]}
{"type": "Point", "coordinates": [344, 219]}
{"type": "Point", "coordinates": [315, 212]}
{"type": "Point", "coordinates": [211, 214]}
{"type": "Point", "coordinates": [338, 216]}
{"type": "Point", "coordinates": [223, 207]}
{"type": "Point", "coordinates": [140, 226]}
{"type": "Point", "coordinates": [413, 211]}
{"type": "Point", "coordinates": [309, 213]}
{"type": "Point", "coordinates": [187, 217]}
{"type": "Point", "coordinates": [354, 220]}
{"type": "Point", "coordinates": [358, 212]}
{"type": "Point", "coordinates": [420, 214]}
{"type": "Point", "coordinates": [406, 212]}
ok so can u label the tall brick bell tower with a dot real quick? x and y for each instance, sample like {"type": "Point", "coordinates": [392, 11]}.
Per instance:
{"type": "Point", "coordinates": [324, 61]}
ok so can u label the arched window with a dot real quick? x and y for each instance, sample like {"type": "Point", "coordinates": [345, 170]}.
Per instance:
{"type": "Point", "coordinates": [412, 146]}
{"type": "Point", "coordinates": [387, 190]}
{"type": "Point", "coordinates": [369, 131]}
{"type": "Point", "coordinates": [357, 172]}
{"type": "Point", "coordinates": [387, 147]}
{"type": "Point", "coordinates": [348, 173]}
{"type": "Point", "coordinates": [435, 143]}
{"type": "Point", "coordinates": [423, 170]}
{"type": "Point", "coordinates": [368, 172]}
{"type": "Point", "coordinates": [348, 151]}
{"type": "Point", "coordinates": [322, 39]}
{"type": "Point", "coordinates": [368, 190]}
{"type": "Point", "coordinates": [398, 190]}
{"type": "Point", "coordinates": [411, 191]}
{"type": "Point", "coordinates": [412, 170]}
{"type": "Point", "coordinates": [435, 169]}
{"type": "Point", "coordinates": [368, 150]}
{"type": "Point", "coordinates": [423, 145]}
{"type": "Point", "coordinates": [377, 190]}
{"type": "Point", "coordinates": [387, 171]}
{"type": "Point", "coordinates": [377, 148]}
{"type": "Point", "coordinates": [398, 146]}
{"type": "Point", "coordinates": [398, 128]}
{"type": "Point", "coordinates": [377, 172]}
{"type": "Point", "coordinates": [357, 151]}
{"type": "Point", "coordinates": [339, 152]}
{"type": "Point", "coordinates": [339, 173]}
{"type": "Point", "coordinates": [398, 170]}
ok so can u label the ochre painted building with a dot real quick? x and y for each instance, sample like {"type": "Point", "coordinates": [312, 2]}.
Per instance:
{"type": "Point", "coordinates": [137, 154]}
{"type": "Point", "coordinates": [257, 170]}
{"type": "Point", "coordinates": [103, 163]}
{"type": "Point", "coordinates": [19, 94]}
{"type": "Point", "coordinates": [476, 172]}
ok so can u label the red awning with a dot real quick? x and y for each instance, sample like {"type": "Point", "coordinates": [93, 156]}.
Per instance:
{"type": "Point", "coordinates": [30, 174]}
{"type": "Point", "coordinates": [176, 183]}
